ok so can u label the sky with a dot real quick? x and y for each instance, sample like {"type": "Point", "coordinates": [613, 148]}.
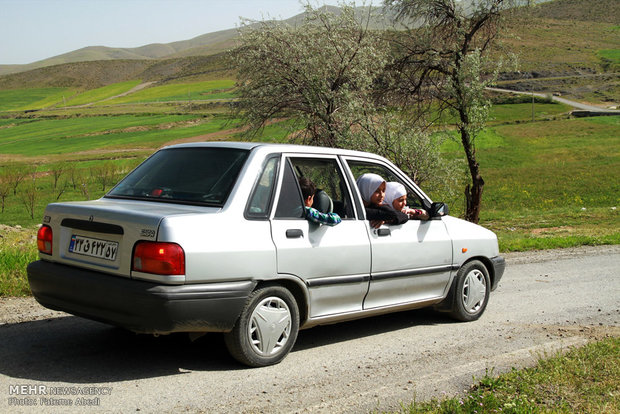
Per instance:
{"type": "Point", "coordinates": [33, 30]}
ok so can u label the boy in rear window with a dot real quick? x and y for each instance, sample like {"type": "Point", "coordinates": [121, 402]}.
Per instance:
{"type": "Point", "coordinates": [312, 214]}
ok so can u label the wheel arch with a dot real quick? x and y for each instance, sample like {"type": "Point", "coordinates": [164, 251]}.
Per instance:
{"type": "Point", "coordinates": [446, 303]}
{"type": "Point", "coordinates": [297, 288]}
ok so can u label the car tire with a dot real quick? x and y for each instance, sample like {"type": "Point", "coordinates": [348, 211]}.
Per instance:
{"type": "Point", "coordinates": [266, 329]}
{"type": "Point", "coordinates": [470, 294]}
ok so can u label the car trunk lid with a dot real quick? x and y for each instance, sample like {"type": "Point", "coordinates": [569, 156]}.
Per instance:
{"type": "Point", "coordinates": [100, 235]}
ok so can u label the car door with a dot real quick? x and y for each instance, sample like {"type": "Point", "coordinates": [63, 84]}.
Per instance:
{"type": "Point", "coordinates": [333, 262]}
{"type": "Point", "coordinates": [411, 262]}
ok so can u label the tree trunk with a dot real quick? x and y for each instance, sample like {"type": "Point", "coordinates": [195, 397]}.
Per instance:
{"type": "Point", "coordinates": [473, 191]}
{"type": "Point", "coordinates": [473, 199]}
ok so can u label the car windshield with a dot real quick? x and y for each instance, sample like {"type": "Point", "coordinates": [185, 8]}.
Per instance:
{"type": "Point", "coordinates": [202, 176]}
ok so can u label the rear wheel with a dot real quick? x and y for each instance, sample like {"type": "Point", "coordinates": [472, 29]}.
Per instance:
{"type": "Point", "coordinates": [266, 329]}
{"type": "Point", "coordinates": [471, 292]}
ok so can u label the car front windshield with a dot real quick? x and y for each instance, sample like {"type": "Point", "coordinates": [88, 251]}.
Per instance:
{"type": "Point", "coordinates": [184, 175]}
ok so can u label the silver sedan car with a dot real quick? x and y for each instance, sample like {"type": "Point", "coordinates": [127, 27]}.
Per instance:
{"type": "Point", "coordinates": [212, 237]}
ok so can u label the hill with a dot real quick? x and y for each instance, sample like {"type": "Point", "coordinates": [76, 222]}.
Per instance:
{"type": "Point", "coordinates": [601, 11]}
{"type": "Point", "coordinates": [95, 74]}
{"type": "Point", "coordinates": [207, 44]}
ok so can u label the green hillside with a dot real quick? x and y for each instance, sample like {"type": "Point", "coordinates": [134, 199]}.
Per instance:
{"type": "Point", "coordinates": [32, 99]}
{"type": "Point", "coordinates": [194, 91]}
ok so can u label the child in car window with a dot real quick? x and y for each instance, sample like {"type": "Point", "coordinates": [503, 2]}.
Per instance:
{"type": "Point", "coordinates": [396, 197]}
{"type": "Point", "coordinates": [372, 189]}
{"type": "Point", "coordinates": [308, 189]}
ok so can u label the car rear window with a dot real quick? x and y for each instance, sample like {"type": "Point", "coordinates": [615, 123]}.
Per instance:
{"type": "Point", "coordinates": [184, 175]}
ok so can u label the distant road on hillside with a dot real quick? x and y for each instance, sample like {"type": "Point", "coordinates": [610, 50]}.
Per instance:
{"type": "Point", "coordinates": [574, 104]}
{"type": "Point", "coordinates": [132, 90]}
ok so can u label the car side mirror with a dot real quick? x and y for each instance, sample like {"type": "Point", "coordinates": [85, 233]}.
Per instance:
{"type": "Point", "coordinates": [438, 209]}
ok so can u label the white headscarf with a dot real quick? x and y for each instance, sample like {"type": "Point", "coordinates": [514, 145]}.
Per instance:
{"type": "Point", "coordinates": [393, 190]}
{"type": "Point", "coordinates": [368, 184]}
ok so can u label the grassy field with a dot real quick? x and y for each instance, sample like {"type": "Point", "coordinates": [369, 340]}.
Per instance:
{"type": "Point", "coordinates": [584, 380]}
{"type": "Point", "coordinates": [43, 136]}
{"type": "Point", "coordinates": [36, 99]}
{"type": "Point", "coordinates": [31, 99]}
{"type": "Point", "coordinates": [105, 92]}
{"type": "Point", "coordinates": [216, 89]}
{"type": "Point", "coordinates": [551, 183]}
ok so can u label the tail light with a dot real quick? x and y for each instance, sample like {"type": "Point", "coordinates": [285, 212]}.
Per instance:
{"type": "Point", "coordinates": [44, 239]}
{"type": "Point", "coordinates": [159, 258]}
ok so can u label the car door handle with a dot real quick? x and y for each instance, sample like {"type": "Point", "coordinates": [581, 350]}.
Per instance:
{"type": "Point", "coordinates": [383, 232]}
{"type": "Point", "coordinates": [294, 233]}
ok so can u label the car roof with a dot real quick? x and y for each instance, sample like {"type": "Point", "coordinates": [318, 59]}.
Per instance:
{"type": "Point", "coordinates": [275, 148]}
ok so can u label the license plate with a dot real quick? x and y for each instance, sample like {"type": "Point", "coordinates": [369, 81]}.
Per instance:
{"type": "Point", "coordinates": [87, 246]}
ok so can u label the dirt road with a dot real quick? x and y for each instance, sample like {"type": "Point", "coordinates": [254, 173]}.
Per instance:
{"type": "Point", "coordinates": [546, 301]}
{"type": "Point", "coordinates": [577, 105]}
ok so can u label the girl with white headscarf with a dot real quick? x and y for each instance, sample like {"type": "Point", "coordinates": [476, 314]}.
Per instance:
{"type": "Point", "coordinates": [372, 189]}
{"type": "Point", "coordinates": [396, 197]}
{"type": "Point", "coordinates": [394, 193]}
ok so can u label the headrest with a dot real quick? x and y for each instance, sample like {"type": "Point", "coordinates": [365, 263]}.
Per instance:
{"type": "Point", "coordinates": [322, 202]}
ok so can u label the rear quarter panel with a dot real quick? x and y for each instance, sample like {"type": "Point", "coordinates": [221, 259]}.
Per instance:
{"type": "Point", "coordinates": [222, 246]}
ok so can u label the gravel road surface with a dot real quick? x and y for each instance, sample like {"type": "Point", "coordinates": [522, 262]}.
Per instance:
{"type": "Point", "coordinates": [547, 301]}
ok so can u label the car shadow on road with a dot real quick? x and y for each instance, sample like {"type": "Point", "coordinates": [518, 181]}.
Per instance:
{"type": "Point", "coordinates": [75, 350]}
{"type": "Point", "coordinates": [331, 334]}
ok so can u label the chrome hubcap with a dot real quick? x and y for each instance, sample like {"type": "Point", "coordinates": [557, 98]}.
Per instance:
{"type": "Point", "coordinates": [270, 326]}
{"type": "Point", "coordinates": [474, 291]}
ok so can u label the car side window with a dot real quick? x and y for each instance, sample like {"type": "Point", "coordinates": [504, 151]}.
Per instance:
{"type": "Point", "coordinates": [359, 167]}
{"type": "Point", "coordinates": [290, 202]}
{"type": "Point", "coordinates": [328, 179]}
{"type": "Point", "coordinates": [259, 203]}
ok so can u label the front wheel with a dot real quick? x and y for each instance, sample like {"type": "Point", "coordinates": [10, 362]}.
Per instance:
{"type": "Point", "coordinates": [266, 329]}
{"type": "Point", "coordinates": [471, 292]}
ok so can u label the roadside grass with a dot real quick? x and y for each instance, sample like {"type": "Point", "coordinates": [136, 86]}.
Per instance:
{"type": "Point", "coordinates": [24, 99]}
{"type": "Point", "coordinates": [17, 249]}
{"type": "Point", "coordinates": [196, 91]}
{"type": "Point", "coordinates": [549, 184]}
{"type": "Point", "coordinates": [560, 227]}
{"type": "Point", "coordinates": [99, 94]}
{"type": "Point", "coordinates": [583, 380]}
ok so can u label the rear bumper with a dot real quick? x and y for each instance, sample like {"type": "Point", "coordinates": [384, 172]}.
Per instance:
{"type": "Point", "coordinates": [139, 306]}
{"type": "Point", "coordinates": [499, 265]}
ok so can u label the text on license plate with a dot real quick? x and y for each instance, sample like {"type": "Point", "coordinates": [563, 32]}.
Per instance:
{"type": "Point", "coordinates": [88, 246]}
